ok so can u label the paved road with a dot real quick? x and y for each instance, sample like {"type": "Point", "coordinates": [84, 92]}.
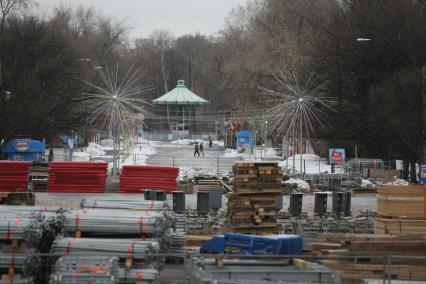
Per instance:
{"type": "Point", "coordinates": [183, 156]}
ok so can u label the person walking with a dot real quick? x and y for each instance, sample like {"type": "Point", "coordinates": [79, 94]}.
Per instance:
{"type": "Point", "coordinates": [210, 142]}
{"type": "Point", "coordinates": [196, 150]}
{"type": "Point", "coordinates": [201, 149]}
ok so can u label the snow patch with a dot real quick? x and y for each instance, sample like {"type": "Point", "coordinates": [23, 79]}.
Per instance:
{"type": "Point", "coordinates": [365, 183]}
{"type": "Point", "coordinates": [140, 153]}
{"type": "Point", "coordinates": [311, 164]}
{"type": "Point", "coordinates": [301, 184]}
{"type": "Point", "coordinates": [398, 182]}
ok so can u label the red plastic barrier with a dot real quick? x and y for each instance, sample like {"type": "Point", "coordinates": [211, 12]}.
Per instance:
{"type": "Point", "coordinates": [77, 177]}
{"type": "Point", "coordinates": [14, 175]}
{"type": "Point", "coordinates": [135, 179]}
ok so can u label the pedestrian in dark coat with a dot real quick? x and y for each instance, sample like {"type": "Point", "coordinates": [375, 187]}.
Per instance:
{"type": "Point", "coordinates": [201, 148]}
{"type": "Point", "coordinates": [196, 151]}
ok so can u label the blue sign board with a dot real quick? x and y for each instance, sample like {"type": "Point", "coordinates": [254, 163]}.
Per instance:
{"type": "Point", "coordinates": [244, 141]}
{"type": "Point", "coordinates": [24, 150]}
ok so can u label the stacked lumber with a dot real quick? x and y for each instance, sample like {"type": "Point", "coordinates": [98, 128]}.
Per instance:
{"type": "Point", "coordinates": [14, 175]}
{"type": "Point", "coordinates": [78, 177]}
{"type": "Point", "coordinates": [135, 179]}
{"type": "Point", "coordinates": [374, 247]}
{"type": "Point", "coordinates": [401, 210]}
{"type": "Point", "coordinates": [252, 205]}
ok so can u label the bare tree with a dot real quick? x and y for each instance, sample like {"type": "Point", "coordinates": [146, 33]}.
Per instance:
{"type": "Point", "coordinates": [8, 7]}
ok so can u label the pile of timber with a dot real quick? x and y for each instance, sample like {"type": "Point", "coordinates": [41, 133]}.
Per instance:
{"type": "Point", "coordinates": [371, 251]}
{"type": "Point", "coordinates": [400, 210]}
{"type": "Point", "coordinates": [252, 205]}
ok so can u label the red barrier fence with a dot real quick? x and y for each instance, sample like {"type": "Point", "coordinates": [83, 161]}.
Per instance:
{"type": "Point", "coordinates": [134, 179]}
{"type": "Point", "coordinates": [79, 177]}
{"type": "Point", "coordinates": [14, 175]}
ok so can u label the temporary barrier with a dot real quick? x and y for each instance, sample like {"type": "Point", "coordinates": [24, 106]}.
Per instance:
{"type": "Point", "coordinates": [136, 179]}
{"type": "Point", "coordinates": [14, 175]}
{"type": "Point", "coordinates": [77, 177]}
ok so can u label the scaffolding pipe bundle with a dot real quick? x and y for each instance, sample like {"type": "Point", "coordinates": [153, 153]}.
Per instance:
{"type": "Point", "coordinates": [18, 281]}
{"type": "Point", "coordinates": [138, 275]}
{"type": "Point", "coordinates": [121, 248]}
{"type": "Point", "coordinates": [177, 241]}
{"type": "Point", "coordinates": [88, 269]}
{"type": "Point", "coordinates": [17, 261]}
{"type": "Point", "coordinates": [129, 204]}
{"type": "Point", "coordinates": [33, 225]}
{"type": "Point", "coordinates": [117, 222]}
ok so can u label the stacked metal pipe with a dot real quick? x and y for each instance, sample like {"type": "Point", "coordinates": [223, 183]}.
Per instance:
{"type": "Point", "coordinates": [176, 241]}
{"type": "Point", "coordinates": [88, 269]}
{"type": "Point", "coordinates": [121, 223]}
{"type": "Point", "coordinates": [121, 248]}
{"type": "Point", "coordinates": [26, 263]}
{"type": "Point", "coordinates": [140, 275]}
{"type": "Point", "coordinates": [18, 281]}
{"type": "Point", "coordinates": [35, 225]}
{"type": "Point", "coordinates": [124, 203]}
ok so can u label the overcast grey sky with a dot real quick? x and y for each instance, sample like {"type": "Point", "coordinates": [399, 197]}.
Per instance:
{"type": "Point", "coordinates": [144, 16]}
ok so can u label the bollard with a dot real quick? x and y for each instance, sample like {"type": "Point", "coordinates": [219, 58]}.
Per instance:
{"type": "Point", "coordinates": [203, 202]}
{"type": "Point", "coordinates": [178, 201]}
{"type": "Point", "coordinates": [320, 206]}
{"type": "Point", "coordinates": [296, 204]}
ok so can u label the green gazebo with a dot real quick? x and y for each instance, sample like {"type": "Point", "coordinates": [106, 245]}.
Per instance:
{"type": "Point", "coordinates": [181, 104]}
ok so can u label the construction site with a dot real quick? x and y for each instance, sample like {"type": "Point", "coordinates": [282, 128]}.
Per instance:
{"type": "Point", "coordinates": [212, 142]}
{"type": "Point", "coordinates": [62, 223]}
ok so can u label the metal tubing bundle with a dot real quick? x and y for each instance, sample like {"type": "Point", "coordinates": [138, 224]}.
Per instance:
{"type": "Point", "coordinates": [20, 228]}
{"type": "Point", "coordinates": [18, 281]}
{"type": "Point", "coordinates": [125, 203]}
{"type": "Point", "coordinates": [77, 177]}
{"type": "Point", "coordinates": [72, 269]}
{"type": "Point", "coordinates": [141, 275]}
{"type": "Point", "coordinates": [25, 263]}
{"type": "Point", "coordinates": [138, 178]}
{"type": "Point", "coordinates": [14, 175]}
{"type": "Point", "coordinates": [37, 226]}
{"type": "Point", "coordinates": [117, 222]}
{"type": "Point", "coordinates": [177, 241]}
{"type": "Point", "coordinates": [7, 260]}
{"type": "Point", "coordinates": [121, 248]}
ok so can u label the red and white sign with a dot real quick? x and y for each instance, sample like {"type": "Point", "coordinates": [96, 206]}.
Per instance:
{"type": "Point", "coordinates": [22, 145]}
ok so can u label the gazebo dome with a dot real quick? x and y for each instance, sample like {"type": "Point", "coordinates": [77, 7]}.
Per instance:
{"type": "Point", "coordinates": [180, 95]}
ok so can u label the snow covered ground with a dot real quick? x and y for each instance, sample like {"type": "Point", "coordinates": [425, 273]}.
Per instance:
{"type": "Point", "coordinates": [267, 153]}
{"type": "Point", "coordinates": [311, 164]}
{"type": "Point", "coordinates": [192, 141]}
{"type": "Point", "coordinates": [140, 153]}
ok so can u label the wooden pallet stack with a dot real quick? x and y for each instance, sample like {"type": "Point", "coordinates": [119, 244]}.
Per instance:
{"type": "Point", "coordinates": [401, 210]}
{"type": "Point", "coordinates": [373, 248]}
{"type": "Point", "coordinates": [252, 204]}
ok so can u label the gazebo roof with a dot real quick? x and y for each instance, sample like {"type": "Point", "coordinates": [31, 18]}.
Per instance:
{"type": "Point", "coordinates": [180, 95]}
